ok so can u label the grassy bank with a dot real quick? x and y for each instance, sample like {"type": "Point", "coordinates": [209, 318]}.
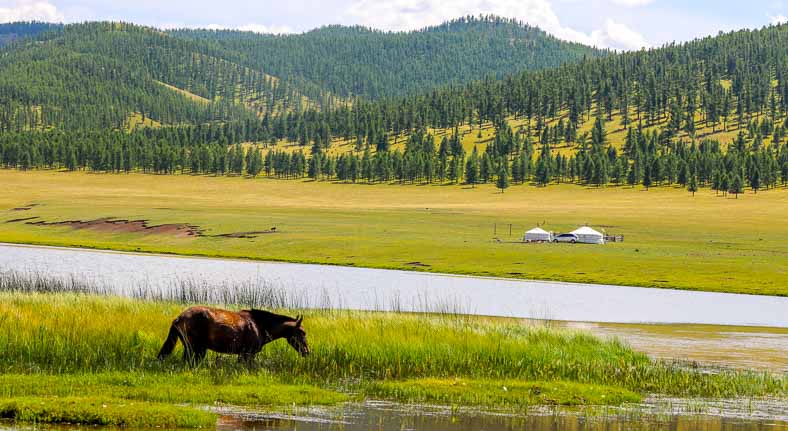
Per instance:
{"type": "Point", "coordinates": [57, 348]}
{"type": "Point", "coordinates": [428, 228]}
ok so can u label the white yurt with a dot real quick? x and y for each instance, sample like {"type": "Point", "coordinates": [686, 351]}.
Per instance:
{"type": "Point", "coordinates": [589, 236]}
{"type": "Point", "coordinates": [538, 234]}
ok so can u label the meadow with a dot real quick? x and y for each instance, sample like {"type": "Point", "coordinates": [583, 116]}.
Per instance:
{"type": "Point", "coordinates": [672, 239]}
{"type": "Point", "coordinates": [89, 358]}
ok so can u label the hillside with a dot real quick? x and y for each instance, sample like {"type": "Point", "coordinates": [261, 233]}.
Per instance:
{"type": "Point", "coordinates": [114, 76]}
{"type": "Point", "coordinates": [357, 61]}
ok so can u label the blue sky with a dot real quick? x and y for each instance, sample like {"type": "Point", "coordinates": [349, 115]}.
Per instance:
{"type": "Point", "coordinates": [619, 24]}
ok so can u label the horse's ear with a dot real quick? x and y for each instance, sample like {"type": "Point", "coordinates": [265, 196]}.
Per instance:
{"type": "Point", "coordinates": [299, 319]}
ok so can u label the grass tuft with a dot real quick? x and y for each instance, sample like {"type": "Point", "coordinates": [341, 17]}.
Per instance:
{"type": "Point", "coordinates": [502, 394]}
{"type": "Point", "coordinates": [89, 410]}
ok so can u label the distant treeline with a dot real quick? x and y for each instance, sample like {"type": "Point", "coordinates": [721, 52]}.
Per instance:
{"type": "Point", "coordinates": [509, 158]}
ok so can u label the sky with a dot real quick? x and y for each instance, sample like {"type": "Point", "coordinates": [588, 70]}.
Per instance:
{"type": "Point", "coordinates": [615, 24]}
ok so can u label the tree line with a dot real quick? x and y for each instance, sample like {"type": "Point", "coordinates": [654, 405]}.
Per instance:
{"type": "Point", "coordinates": [512, 157]}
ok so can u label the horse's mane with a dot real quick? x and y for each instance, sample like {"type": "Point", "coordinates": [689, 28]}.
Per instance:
{"type": "Point", "coordinates": [267, 319]}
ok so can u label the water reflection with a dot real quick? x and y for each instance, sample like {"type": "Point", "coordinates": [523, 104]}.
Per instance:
{"type": "Point", "coordinates": [385, 417]}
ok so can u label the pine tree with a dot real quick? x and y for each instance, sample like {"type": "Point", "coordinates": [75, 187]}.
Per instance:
{"type": "Point", "coordinates": [647, 177]}
{"type": "Point", "coordinates": [737, 185]}
{"type": "Point", "coordinates": [503, 177]}
{"type": "Point", "coordinates": [724, 183]}
{"type": "Point", "coordinates": [755, 180]}
{"type": "Point", "coordinates": [692, 186]}
{"type": "Point", "coordinates": [632, 176]}
{"type": "Point", "coordinates": [472, 169]}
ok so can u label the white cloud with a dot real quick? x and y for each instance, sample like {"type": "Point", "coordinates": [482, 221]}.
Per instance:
{"type": "Point", "coordinates": [619, 36]}
{"type": "Point", "coordinates": [632, 3]}
{"type": "Point", "coordinates": [416, 14]}
{"type": "Point", "coordinates": [260, 28]}
{"type": "Point", "coordinates": [30, 10]}
{"type": "Point", "coordinates": [778, 19]}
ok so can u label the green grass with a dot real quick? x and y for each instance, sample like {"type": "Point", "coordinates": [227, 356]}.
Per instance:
{"type": "Point", "coordinates": [63, 350]}
{"type": "Point", "coordinates": [501, 393]}
{"type": "Point", "coordinates": [67, 333]}
{"type": "Point", "coordinates": [91, 410]}
{"type": "Point", "coordinates": [206, 386]}
{"type": "Point", "coordinates": [674, 240]}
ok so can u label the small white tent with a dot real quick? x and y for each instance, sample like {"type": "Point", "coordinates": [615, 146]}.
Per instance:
{"type": "Point", "coordinates": [589, 236]}
{"type": "Point", "coordinates": [538, 234]}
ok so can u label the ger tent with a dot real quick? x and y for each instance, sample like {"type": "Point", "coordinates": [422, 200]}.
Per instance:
{"type": "Point", "coordinates": [538, 234]}
{"type": "Point", "coordinates": [589, 236]}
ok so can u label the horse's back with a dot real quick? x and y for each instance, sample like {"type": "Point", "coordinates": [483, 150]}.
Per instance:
{"type": "Point", "coordinates": [219, 330]}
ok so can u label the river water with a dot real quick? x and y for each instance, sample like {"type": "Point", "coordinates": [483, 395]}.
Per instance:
{"type": "Point", "coordinates": [384, 416]}
{"type": "Point", "coordinates": [711, 328]}
{"type": "Point", "coordinates": [372, 289]}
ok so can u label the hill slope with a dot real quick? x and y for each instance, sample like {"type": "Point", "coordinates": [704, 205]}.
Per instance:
{"type": "Point", "coordinates": [99, 75]}
{"type": "Point", "coordinates": [352, 61]}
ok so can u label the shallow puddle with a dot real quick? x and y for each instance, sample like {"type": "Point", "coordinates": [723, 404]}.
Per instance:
{"type": "Point", "coordinates": [726, 346]}
{"type": "Point", "coordinates": [385, 416]}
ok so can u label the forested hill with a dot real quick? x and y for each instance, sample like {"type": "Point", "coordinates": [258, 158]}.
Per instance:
{"type": "Point", "coordinates": [104, 75]}
{"type": "Point", "coordinates": [357, 61]}
{"type": "Point", "coordinates": [115, 75]}
{"type": "Point", "coordinates": [713, 110]}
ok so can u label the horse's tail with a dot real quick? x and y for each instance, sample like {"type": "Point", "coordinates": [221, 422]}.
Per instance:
{"type": "Point", "coordinates": [171, 341]}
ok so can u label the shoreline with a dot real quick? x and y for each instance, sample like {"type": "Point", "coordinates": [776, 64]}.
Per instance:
{"type": "Point", "coordinates": [574, 302]}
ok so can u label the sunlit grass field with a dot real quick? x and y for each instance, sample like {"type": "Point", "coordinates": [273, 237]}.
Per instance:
{"type": "Point", "coordinates": [672, 239]}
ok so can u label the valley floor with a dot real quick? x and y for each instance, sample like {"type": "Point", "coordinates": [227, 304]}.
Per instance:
{"type": "Point", "coordinates": [672, 239]}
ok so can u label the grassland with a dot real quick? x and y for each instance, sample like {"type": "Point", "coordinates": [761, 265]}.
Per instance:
{"type": "Point", "coordinates": [58, 351]}
{"type": "Point", "coordinates": [672, 239]}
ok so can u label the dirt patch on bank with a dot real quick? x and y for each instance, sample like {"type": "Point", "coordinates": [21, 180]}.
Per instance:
{"type": "Point", "coordinates": [17, 220]}
{"type": "Point", "coordinates": [111, 225]}
{"type": "Point", "coordinates": [117, 226]}
{"type": "Point", "coordinates": [27, 207]}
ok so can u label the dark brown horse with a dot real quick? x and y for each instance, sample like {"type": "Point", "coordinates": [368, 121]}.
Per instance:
{"type": "Point", "coordinates": [243, 333]}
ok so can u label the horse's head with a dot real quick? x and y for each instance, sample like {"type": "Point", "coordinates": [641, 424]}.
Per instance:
{"type": "Point", "coordinates": [296, 336]}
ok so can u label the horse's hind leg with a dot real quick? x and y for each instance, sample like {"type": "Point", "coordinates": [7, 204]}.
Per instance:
{"type": "Point", "coordinates": [192, 352]}
{"type": "Point", "coordinates": [246, 358]}
{"type": "Point", "coordinates": [194, 355]}
{"type": "Point", "coordinates": [188, 354]}
{"type": "Point", "coordinates": [199, 355]}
